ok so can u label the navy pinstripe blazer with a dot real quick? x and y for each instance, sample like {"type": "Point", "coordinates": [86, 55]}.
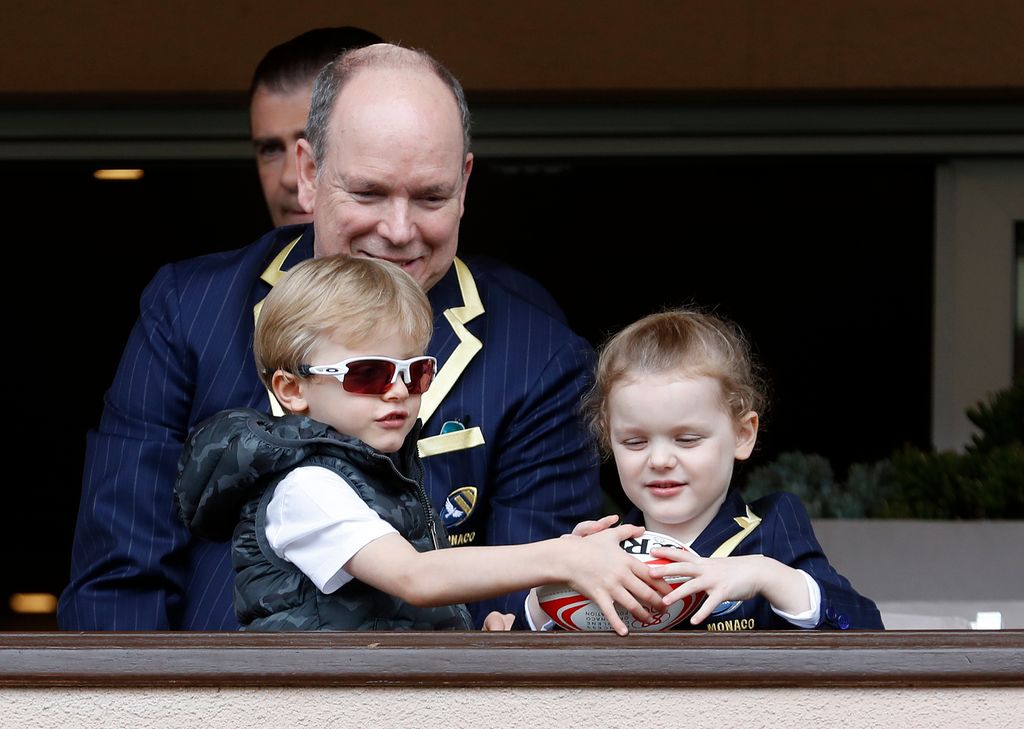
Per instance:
{"type": "Point", "coordinates": [507, 459]}
{"type": "Point", "coordinates": [785, 534]}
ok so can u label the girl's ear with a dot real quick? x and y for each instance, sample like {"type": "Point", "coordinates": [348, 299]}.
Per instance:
{"type": "Point", "coordinates": [746, 435]}
{"type": "Point", "coordinates": [289, 390]}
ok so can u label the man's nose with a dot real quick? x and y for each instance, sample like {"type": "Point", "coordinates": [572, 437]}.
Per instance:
{"type": "Point", "coordinates": [289, 173]}
{"type": "Point", "coordinates": [396, 223]}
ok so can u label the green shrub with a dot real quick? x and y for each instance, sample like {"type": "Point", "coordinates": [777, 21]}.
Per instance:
{"type": "Point", "coordinates": [986, 481]}
{"type": "Point", "coordinates": [1000, 420]}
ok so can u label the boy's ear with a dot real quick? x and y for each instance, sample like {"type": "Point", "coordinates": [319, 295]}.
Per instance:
{"type": "Point", "coordinates": [290, 391]}
{"type": "Point", "coordinates": [746, 435]}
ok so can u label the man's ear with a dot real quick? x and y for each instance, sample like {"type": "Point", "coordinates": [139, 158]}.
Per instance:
{"type": "Point", "coordinates": [305, 174]}
{"type": "Point", "coordinates": [289, 390]}
{"type": "Point", "coordinates": [467, 168]}
{"type": "Point", "coordinates": [746, 435]}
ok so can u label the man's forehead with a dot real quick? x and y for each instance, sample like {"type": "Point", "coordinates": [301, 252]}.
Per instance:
{"type": "Point", "coordinates": [297, 93]}
{"type": "Point", "coordinates": [378, 113]}
{"type": "Point", "coordinates": [268, 104]}
{"type": "Point", "coordinates": [417, 181]}
{"type": "Point", "coordinates": [388, 85]}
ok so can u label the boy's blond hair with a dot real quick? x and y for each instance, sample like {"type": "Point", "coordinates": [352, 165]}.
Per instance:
{"type": "Point", "coordinates": [685, 341]}
{"type": "Point", "coordinates": [360, 298]}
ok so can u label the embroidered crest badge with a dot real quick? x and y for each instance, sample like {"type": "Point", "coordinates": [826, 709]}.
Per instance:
{"type": "Point", "coordinates": [725, 608]}
{"type": "Point", "coordinates": [458, 506]}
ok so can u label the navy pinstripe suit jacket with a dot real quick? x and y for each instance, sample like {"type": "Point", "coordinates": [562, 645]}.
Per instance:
{"type": "Point", "coordinates": [785, 534]}
{"type": "Point", "coordinates": [528, 473]}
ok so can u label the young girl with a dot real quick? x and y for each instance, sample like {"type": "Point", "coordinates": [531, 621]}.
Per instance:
{"type": "Point", "coordinates": [331, 527]}
{"type": "Point", "coordinates": [676, 403]}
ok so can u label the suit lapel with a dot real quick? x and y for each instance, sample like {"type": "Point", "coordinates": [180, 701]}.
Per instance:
{"type": "Point", "coordinates": [272, 275]}
{"type": "Point", "coordinates": [731, 525]}
{"type": "Point", "coordinates": [456, 317]}
{"type": "Point", "coordinates": [747, 523]}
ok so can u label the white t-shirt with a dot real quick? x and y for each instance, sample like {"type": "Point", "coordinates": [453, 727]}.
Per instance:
{"type": "Point", "coordinates": [316, 521]}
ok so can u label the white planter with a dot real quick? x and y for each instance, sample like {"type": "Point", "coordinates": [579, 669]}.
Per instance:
{"type": "Point", "coordinates": [927, 574]}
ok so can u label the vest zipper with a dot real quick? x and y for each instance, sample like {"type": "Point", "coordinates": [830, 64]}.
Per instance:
{"type": "Point", "coordinates": [421, 495]}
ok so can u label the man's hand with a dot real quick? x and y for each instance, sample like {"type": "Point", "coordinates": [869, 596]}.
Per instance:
{"type": "Point", "coordinates": [496, 621]}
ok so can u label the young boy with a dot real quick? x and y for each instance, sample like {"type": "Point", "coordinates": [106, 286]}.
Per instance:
{"type": "Point", "coordinates": [331, 526]}
{"type": "Point", "coordinates": [676, 402]}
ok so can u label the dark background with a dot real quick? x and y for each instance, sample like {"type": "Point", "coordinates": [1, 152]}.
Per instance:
{"type": "Point", "coordinates": [826, 262]}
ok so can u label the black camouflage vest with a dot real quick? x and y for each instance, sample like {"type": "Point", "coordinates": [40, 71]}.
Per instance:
{"type": "Point", "coordinates": [270, 593]}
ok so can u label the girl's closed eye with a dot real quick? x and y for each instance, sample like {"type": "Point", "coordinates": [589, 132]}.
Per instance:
{"type": "Point", "coordinates": [690, 439]}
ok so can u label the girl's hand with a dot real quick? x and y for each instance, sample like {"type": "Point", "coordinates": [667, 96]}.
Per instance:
{"type": "Point", "coordinates": [601, 570]}
{"type": "Point", "coordinates": [732, 578]}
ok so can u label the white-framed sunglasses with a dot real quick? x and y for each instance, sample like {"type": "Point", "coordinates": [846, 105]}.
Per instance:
{"type": "Point", "coordinates": [375, 375]}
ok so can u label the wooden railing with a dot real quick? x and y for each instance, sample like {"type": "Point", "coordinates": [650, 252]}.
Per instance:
{"type": "Point", "coordinates": [423, 660]}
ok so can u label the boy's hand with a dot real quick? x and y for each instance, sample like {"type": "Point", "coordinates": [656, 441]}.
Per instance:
{"type": "Point", "coordinates": [732, 578]}
{"type": "Point", "coordinates": [601, 570]}
{"type": "Point", "coordinates": [586, 528]}
{"type": "Point", "coordinates": [496, 621]}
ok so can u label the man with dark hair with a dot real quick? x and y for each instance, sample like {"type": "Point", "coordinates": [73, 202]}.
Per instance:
{"type": "Point", "coordinates": [506, 457]}
{"type": "Point", "coordinates": [278, 104]}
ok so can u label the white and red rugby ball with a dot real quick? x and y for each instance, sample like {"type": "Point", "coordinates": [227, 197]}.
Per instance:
{"type": "Point", "coordinates": [573, 611]}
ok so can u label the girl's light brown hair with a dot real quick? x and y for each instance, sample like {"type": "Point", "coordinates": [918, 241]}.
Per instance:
{"type": "Point", "coordinates": [360, 297]}
{"type": "Point", "coordinates": [687, 341]}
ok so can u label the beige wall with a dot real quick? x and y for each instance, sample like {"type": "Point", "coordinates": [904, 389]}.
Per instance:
{"type": "Point", "coordinates": [930, 574]}
{"type": "Point", "coordinates": [512, 708]}
{"type": "Point", "coordinates": [160, 46]}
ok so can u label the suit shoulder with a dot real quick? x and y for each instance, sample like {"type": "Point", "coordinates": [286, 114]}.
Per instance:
{"type": "Point", "coordinates": [211, 287]}
{"type": "Point", "coordinates": [495, 278]}
{"type": "Point", "coordinates": [256, 255]}
{"type": "Point", "coordinates": [782, 503]}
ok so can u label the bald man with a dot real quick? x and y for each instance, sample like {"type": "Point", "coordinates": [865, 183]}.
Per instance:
{"type": "Point", "coordinates": [383, 169]}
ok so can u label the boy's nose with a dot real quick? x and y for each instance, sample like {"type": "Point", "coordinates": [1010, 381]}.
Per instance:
{"type": "Point", "coordinates": [398, 390]}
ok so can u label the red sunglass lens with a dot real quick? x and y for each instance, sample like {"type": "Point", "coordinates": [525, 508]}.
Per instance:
{"type": "Point", "coordinates": [421, 374]}
{"type": "Point", "coordinates": [368, 376]}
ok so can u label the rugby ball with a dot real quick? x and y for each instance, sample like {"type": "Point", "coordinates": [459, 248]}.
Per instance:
{"type": "Point", "coordinates": [573, 611]}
